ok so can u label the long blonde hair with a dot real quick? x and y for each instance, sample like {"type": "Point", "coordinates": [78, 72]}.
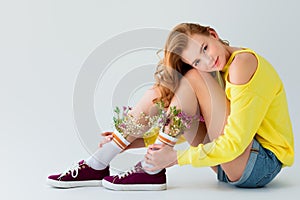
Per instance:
{"type": "Point", "coordinates": [171, 68]}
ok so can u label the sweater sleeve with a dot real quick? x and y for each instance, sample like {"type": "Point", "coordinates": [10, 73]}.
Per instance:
{"type": "Point", "coordinates": [247, 110]}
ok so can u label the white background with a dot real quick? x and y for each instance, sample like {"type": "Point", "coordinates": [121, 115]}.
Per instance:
{"type": "Point", "coordinates": [43, 45]}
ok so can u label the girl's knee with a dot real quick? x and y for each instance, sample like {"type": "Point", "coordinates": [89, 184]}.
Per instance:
{"type": "Point", "coordinates": [193, 74]}
{"type": "Point", "coordinates": [194, 79]}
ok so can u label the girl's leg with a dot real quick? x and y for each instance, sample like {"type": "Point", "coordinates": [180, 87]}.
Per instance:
{"type": "Point", "coordinates": [186, 100]}
{"type": "Point", "coordinates": [200, 88]}
{"type": "Point", "coordinates": [146, 106]}
{"type": "Point", "coordinates": [102, 157]}
{"type": "Point", "coordinates": [91, 171]}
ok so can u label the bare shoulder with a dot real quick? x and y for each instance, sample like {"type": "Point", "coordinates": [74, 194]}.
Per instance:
{"type": "Point", "coordinates": [242, 68]}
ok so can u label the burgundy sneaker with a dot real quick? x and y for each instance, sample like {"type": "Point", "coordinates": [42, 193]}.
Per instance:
{"type": "Point", "coordinates": [136, 179]}
{"type": "Point", "coordinates": [78, 175]}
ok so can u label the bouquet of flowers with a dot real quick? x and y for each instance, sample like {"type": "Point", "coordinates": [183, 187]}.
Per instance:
{"type": "Point", "coordinates": [173, 124]}
{"type": "Point", "coordinates": [127, 125]}
{"type": "Point", "coordinates": [170, 125]}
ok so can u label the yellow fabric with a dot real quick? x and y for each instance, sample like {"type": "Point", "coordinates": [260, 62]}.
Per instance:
{"type": "Point", "coordinates": [257, 109]}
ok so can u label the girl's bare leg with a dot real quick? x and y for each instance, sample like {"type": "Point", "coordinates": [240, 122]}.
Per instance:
{"type": "Point", "coordinates": [146, 106]}
{"type": "Point", "coordinates": [109, 149]}
{"type": "Point", "coordinates": [200, 88]}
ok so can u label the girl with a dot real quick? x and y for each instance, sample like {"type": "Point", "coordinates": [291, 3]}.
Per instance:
{"type": "Point", "coordinates": [257, 139]}
{"type": "Point", "coordinates": [246, 138]}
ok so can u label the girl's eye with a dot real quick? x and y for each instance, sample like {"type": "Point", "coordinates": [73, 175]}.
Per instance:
{"type": "Point", "coordinates": [196, 63]}
{"type": "Point", "coordinates": [205, 49]}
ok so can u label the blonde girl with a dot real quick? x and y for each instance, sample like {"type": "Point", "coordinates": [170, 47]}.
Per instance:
{"type": "Point", "coordinates": [246, 136]}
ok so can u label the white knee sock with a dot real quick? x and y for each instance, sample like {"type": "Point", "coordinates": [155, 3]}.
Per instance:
{"type": "Point", "coordinates": [144, 164]}
{"type": "Point", "coordinates": [102, 157]}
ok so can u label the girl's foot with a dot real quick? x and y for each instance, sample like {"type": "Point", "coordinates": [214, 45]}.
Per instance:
{"type": "Point", "coordinates": [78, 175]}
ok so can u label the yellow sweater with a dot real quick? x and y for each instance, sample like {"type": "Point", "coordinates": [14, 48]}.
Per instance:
{"type": "Point", "coordinates": [257, 109]}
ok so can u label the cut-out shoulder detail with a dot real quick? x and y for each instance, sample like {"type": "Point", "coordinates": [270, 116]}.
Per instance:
{"type": "Point", "coordinates": [242, 68]}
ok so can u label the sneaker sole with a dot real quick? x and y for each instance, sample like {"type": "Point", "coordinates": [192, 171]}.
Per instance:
{"type": "Point", "coordinates": [133, 187]}
{"type": "Point", "coordinates": [72, 184]}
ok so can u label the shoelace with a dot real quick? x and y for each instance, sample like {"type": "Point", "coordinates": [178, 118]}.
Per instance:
{"type": "Point", "coordinates": [127, 173]}
{"type": "Point", "coordinates": [131, 171]}
{"type": "Point", "coordinates": [73, 170]}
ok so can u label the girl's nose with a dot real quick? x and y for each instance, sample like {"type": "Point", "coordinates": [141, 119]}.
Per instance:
{"type": "Point", "coordinates": [206, 60]}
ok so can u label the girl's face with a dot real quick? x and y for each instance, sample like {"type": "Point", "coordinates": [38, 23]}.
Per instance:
{"type": "Point", "coordinates": [206, 53]}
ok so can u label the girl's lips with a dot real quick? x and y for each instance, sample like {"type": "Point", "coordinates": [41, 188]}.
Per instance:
{"type": "Point", "coordinates": [216, 62]}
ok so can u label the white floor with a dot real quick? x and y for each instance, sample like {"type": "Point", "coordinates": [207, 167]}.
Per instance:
{"type": "Point", "coordinates": [26, 180]}
{"type": "Point", "coordinates": [186, 183]}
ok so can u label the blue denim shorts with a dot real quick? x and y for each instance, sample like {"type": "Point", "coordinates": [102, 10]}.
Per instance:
{"type": "Point", "coordinates": [262, 167]}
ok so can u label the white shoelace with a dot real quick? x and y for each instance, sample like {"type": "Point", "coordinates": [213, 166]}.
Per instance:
{"type": "Point", "coordinates": [131, 171]}
{"type": "Point", "coordinates": [127, 173]}
{"type": "Point", "coordinates": [73, 170]}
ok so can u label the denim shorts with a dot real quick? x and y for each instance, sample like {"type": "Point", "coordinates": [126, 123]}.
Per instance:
{"type": "Point", "coordinates": [261, 168]}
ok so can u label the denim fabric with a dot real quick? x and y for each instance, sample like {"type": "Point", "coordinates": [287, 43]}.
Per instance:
{"type": "Point", "coordinates": [262, 168]}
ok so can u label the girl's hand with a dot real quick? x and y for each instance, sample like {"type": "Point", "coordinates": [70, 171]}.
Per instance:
{"type": "Point", "coordinates": [108, 136]}
{"type": "Point", "coordinates": [160, 156]}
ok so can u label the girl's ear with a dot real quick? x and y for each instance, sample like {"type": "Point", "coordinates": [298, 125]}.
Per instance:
{"type": "Point", "coordinates": [213, 33]}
